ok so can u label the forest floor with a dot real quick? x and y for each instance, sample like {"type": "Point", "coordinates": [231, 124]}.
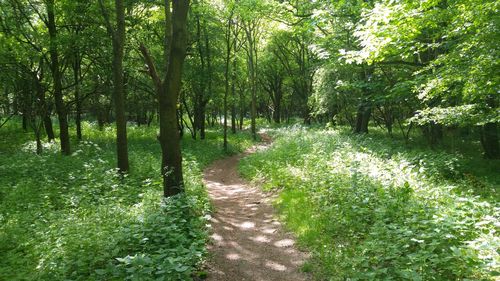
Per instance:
{"type": "Point", "coordinates": [372, 207]}
{"type": "Point", "coordinates": [248, 242]}
{"type": "Point", "coordinates": [74, 218]}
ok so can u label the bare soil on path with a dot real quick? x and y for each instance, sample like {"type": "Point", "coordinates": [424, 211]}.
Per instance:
{"type": "Point", "coordinates": [248, 242]}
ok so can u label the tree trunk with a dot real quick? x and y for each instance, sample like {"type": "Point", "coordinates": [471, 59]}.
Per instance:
{"type": "Point", "coordinates": [202, 122]}
{"type": "Point", "coordinates": [47, 122]}
{"type": "Point", "coordinates": [489, 134]}
{"type": "Point", "coordinates": [242, 110]}
{"type": "Point", "coordinates": [44, 108]}
{"type": "Point", "coordinates": [39, 147]}
{"type": "Point", "coordinates": [233, 97]}
{"type": "Point", "coordinates": [489, 140]}
{"type": "Point", "coordinates": [118, 88]}
{"type": "Point", "coordinates": [78, 102]}
{"type": "Point", "coordinates": [277, 111]}
{"type": "Point", "coordinates": [253, 77]}
{"type": "Point", "coordinates": [173, 182]}
{"type": "Point", "coordinates": [49, 130]}
{"type": "Point", "coordinates": [168, 95]}
{"type": "Point", "coordinates": [433, 133]}
{"type": "Point", "coordinates": [56, 75]}
{"type": "Point", "coordinates": [226, 77]}
{"type": "Point", "coordinates": [363, 118]}
{"type": "Point", "coordinates": [25, 123]}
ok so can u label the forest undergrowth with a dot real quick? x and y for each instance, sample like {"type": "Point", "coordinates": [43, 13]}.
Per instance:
{"type": "Point", "coordinates": [75, 218]}
{"type": "Point", "coordinates": [369, 207]}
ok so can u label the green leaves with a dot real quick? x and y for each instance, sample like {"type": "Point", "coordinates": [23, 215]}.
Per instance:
{"type": "Point", "coordinates": [370, 209]}
{"type": "Point", "coordinates": [464, 115]}
{"type": "Point", "coordinates": [76, 218]}
{"type": "Point", "coordinates": [449, 45]}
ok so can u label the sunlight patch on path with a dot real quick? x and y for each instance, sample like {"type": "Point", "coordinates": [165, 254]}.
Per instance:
{"type": "Point", "coordinates": [248, 243]}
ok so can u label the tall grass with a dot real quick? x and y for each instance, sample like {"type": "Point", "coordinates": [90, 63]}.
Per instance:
{"type": "Point", "coordinates": [371, 208]}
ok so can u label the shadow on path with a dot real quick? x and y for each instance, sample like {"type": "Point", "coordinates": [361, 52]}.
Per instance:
{"type": "Point", "coordinates": [248, 243]}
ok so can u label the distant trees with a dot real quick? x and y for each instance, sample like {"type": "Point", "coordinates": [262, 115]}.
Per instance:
{"type": "Point", "coordinates": [424, 65]}
{"type": "Point", "coordinates": [402, 66]}
{"type": "Point", "coordinates": [446, 51]}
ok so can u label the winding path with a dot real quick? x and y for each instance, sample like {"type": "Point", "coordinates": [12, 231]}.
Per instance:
{"type": "Point", "coordinates": [248, 242]}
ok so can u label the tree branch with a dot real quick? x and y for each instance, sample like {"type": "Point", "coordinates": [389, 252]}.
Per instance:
{"type": "Point", "coordinates": [107, 21]}
{"type": "Point", "coordinates": [6, 120]}
{"type": "Point", "coordinates": [151, 67]}
{"type": "Point", "coordinates": [396, 62]}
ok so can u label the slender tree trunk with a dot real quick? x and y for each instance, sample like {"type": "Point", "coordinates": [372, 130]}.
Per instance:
{"type": "Point", "coordinates": [253, 106]}
{"type": "Point", "coordinates": [47, 123]}
{"type": "Point", "coordinates": [39, 147]}
{"type": "Point", "coordinates": [118, 88]}
{"type": "Point", "coordinates": [233, 97]}
{"type": "Point", "coordinates": [489, 135]}
{"type": "Point", "coordinates": [362, 118]}
{"type": "Point", "coordinates": [196, 114]}
{"type": "Point", "coordinates": [226, 78]}
{"type": "Point", "coordinates": [242, 110]}
{"type": "Point", "coordinates": [25, 123]}
{"type": "Point", "coordinates": [209, 69]}
{"type": "Point", "coordinates": [199, 101]}
{"type": "Point", "coordinates": [41, 110]}
{"type": "Point", "coordinates": [489, 140]}
{"type": "Point", "coordinates": [56, 75]}
{"type": "Point", "coordinates": [180, 122]}
{"type": "Point", "coordinates": [277, 110]}
{"type": "Point", "coordinates": [202, 121]}
{"type": "Point", "coordinates": [78, 102]}
{"type": "Point", "coordinates": [253, 82]}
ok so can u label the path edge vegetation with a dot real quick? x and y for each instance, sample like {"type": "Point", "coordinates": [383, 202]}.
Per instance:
{"type": "Point", "coordinates": [79, 205]}
{"type": "Point", "coordinates": [368, 207]}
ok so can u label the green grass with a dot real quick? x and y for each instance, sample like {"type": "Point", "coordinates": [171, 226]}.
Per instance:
{"type": "Point", "coordinates": [73, 218]}
{"type": "Point", "coordinates": [371, 208]}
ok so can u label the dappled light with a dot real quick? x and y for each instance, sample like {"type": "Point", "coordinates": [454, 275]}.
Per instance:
{"type": "Point", "coordinates": [248, 242]}
{"type": "Point", "coordinates": [252, 140]}
{"type": "Point", "coordinates": [77, 210]}
{"type": "Point", "coordinates": [363, 203]}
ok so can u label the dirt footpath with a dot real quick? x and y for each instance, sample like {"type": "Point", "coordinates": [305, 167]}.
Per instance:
{"type": "Point", "coordinates": [248, 243]}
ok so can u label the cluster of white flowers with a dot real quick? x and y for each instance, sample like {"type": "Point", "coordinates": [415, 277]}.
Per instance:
{"type": "Point", "coordinates": [30, 147]}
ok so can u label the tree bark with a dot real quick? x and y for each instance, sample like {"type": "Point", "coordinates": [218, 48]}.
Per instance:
{"type": "Point", "coordinates": [363, 118]}
{"type": "Point", "coordinates": [118, 89]}
{"type": "Point", "coordinates": [242, 109]}
{"type": "Point", "coordinates": [47, 123]}
{"type": "Point", "coordinates": [233, 97]}
{"type": "Point", "coordinates": [78, 102]}
{"type": "Point", "coordinates": [56, 76]}
{"type": "Point", "coordinates": [173, 182]}
{"type": "Point", "coordinates": [202, 121]}
{"type": "Point", "coordinates": [168, 95]}
{"type": "Point", "coordinates": [277, 110]}
{"type": "Point", "coordinates": [249, 31]}
{"type": "Point", "coordinates": [118, 40]}
{"type": "Point", "coordinates": [226, 76]}
{"type": "Point", "coordinates": [489, 140]}
{"type": "Point", "coordinates": [489, 135]}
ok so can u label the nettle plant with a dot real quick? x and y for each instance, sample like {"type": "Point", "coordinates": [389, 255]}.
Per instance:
{"type": "Point", "coordinates": [370, 210]}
